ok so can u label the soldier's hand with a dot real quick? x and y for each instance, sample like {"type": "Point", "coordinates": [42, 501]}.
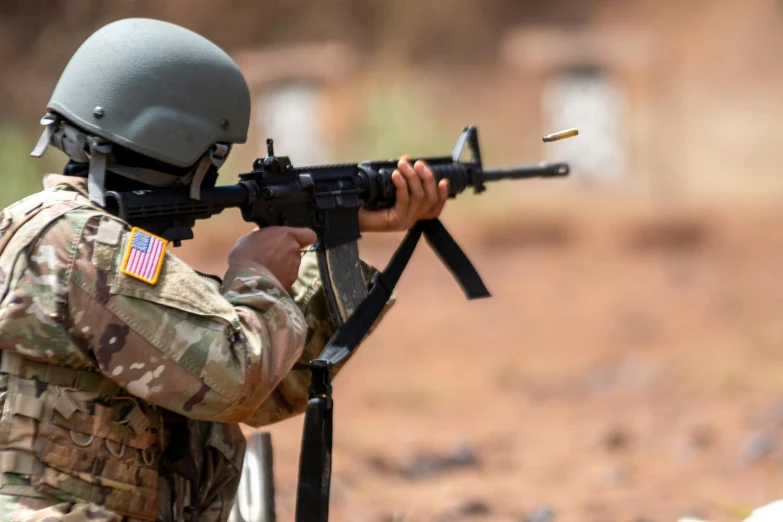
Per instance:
{"type": "Point", "coordinates": [276, 248]}
{"type": "Point", "coordinates": [419, 196]}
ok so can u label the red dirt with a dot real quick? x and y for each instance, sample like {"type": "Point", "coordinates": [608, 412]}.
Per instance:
{"type": "Point", "coordinates": [617, 374]}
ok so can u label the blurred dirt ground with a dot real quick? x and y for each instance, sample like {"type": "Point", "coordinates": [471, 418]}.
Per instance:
{"type": "Point", "coordinates": [628, 368]}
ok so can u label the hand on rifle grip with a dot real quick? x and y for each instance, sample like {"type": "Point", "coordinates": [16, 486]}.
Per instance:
{"type": "Point", "coordinates": [275, 248]}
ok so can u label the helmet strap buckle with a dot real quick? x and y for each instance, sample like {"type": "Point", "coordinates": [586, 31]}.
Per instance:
{"type": "Point", "coordinates": [216, 156]}
{"type": "Point", "coordinates": [51, 121]}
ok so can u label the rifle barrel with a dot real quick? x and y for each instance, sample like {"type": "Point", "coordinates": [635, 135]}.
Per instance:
{"type": "Point", "coordinates": [543, 170]}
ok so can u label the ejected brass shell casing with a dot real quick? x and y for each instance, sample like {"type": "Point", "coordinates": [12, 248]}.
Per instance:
{"type": "Point", "coordinates": [557, 136]}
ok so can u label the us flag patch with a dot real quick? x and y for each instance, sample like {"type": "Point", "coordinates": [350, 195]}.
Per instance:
{"type": "Point", "coordinates": [144, 256]}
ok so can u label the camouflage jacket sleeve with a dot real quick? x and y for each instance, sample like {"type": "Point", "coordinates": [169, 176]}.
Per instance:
{"type": "Point", "coordinates": [184, 343]}
{"type": "Point", "coordinates": [290, 396]}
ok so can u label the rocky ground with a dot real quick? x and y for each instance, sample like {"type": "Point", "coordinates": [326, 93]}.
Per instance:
{"type": "Point", "coordinates": [627, 369]}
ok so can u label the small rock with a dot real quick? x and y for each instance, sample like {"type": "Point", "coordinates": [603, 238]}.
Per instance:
{"type": "Point", "coordinates": [428, 464]}
{"type": "Point", "coordinates": [702, 437]}
{"type": "Point", "coordinates": [544, 514]}
{"type": "Point", "coordinates": [699, 440]}
{"type": "Point", "coordinates": [616, 439]}
{"type": "Point", "coordinates": [463, 455]}
{"type": "Point", "coordinates": [468, 509]}
{"type": "Point", "coordinates": [380, 465]}
{"type": "Point", "coordinates": [475, 507]}
{"type": "Point", "coordinates": [757, 447]}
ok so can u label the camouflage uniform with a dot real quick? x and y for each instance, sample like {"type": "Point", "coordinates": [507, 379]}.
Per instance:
{"type": "Point", "coordinates": [119, 398]}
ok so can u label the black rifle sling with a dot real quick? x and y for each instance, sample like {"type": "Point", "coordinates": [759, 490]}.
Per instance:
{"type": "Point", "coordinates": [312, 502]}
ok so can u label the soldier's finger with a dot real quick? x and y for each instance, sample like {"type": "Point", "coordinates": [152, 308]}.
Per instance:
{"type": "Point", "coordinates": [443, 196]}
{"type": "Point", "coordinates": [390, 218]}
{"type": "Point", "coordinates": [415, 189]}
{"type": "Point", "coordinates": [428, 182]}
{"type": "Point", "coordinates": [304, 236]}
{"type": "Point", "coordinates": [401, 190]}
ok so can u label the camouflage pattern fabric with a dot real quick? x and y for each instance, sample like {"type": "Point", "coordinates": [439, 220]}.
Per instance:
{"type": "Point", "coordinates": [119, 398]}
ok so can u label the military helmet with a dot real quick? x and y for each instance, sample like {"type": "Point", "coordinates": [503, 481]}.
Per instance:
{"type": "Point", "coordinates": [153, 88]}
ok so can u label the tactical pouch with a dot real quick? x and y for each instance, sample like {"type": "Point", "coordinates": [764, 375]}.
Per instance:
{"type": "Point", "coordinates": [70, 435]}
{"type": "Point", "coordinates": [204, 462]}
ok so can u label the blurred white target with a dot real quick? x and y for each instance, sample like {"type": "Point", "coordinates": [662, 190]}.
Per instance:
{"type": "Point", "coordinates": [291, 115]}
{"type": "Point", "coordinates": [769, 513]}
{"type": "Point", "coordinates": [587, 99]}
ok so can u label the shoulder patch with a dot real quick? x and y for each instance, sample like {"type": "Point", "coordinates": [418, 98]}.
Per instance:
{"type": "Point", "coordinates": [144, 256]}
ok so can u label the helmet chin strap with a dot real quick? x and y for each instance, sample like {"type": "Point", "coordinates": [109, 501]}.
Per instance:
{"type": "Point", "coordinates": [97, 152]}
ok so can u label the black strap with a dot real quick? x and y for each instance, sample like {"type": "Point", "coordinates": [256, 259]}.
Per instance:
{"type": "Point", "coordinates": [315, 462]}
{"type": "Point", "coordinates": [455, 259]}
{"type": "Point", "coordinates": [315, 458]}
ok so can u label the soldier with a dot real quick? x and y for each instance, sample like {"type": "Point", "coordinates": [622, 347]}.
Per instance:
{"type": "Point", "coordinates": [123, 371]}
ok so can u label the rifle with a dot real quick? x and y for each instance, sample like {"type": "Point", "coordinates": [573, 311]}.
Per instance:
{"type": "Point", "coordinates": [327, 199]}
